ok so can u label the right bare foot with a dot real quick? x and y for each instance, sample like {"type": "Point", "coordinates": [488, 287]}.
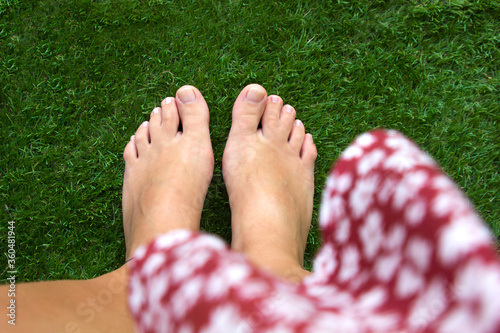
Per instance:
{"type": "Point", "coordinates": [167, 172]}
{"type": "Point", "coordinates": [269, 175]}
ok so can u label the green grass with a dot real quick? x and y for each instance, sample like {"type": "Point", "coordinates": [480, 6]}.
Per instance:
{"type": "Point", "coordinates": [78, 77]}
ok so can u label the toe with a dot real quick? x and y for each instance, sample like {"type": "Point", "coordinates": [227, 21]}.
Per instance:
{"type": "Point", "coordinates": [130, 151]}
{"type": "Point", "coordinates": [193, 110]}
{"type": "Point", "coordinates": [248, 109]}
{"type": "Point", "coordinates": [287, 119]}
{"type": "Point", "coordinates": [155, 123]}
{"type": "Point", "coordinates": [297, 136]}
{"type": "Point", "coordinates": [142, 138]}
{"type": "Point", "coordinates": [169, 116]}
{"type": "Point", "coordinates": [271, 116]}
{"type": "Point", "coordinates": [308, 152]}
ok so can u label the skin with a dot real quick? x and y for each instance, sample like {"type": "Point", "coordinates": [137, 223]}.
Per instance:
{"type": "Point", "coordinates": [166, 179]}
{"type": "Point", "coordinates": [273, 168]}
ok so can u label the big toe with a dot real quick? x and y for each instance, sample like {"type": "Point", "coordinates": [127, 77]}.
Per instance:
{"type": "Point", "coordinates": [193, 110]}
{"type": "Point", "coordinates": [248, 109]}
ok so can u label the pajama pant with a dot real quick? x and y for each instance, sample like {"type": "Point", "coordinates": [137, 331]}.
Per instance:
{"type": "Point", "coordinates": [403, 251]}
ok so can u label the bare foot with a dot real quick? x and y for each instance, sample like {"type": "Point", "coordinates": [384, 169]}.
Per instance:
{"type": "Point", "coordinates": [167, 172]}
{"type": "Point", "coordinates": [269, 175]}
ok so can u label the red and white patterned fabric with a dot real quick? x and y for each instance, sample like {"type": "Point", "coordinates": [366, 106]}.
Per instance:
{"type": "Point", "coordinates": [403, 251]}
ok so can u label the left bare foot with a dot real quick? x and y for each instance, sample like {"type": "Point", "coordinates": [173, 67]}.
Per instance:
{"type": "Point", "coordinates": [167, 172]}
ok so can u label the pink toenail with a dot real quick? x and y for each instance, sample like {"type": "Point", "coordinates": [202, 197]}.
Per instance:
{"type": "Point", "coordinates": [275, 99]}
{"type": "Point", "coordinates": [145, 124]}
{"type": "Point", "coordinates": [298, 122]}
{"type": "Point", "coordinates": [167, 100]}
{"type": "Point", "coordinates": [288, 109]}
{"type": "Point", "coordinates": [156, 110]}
{"type": "Point", "coordinates": [255, 94]}
{"type": "Point", "coordinates": [186, 95]}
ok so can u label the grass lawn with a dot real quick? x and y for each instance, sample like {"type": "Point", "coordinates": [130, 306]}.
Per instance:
{"type": "Point", "coordinates": [78, 77]}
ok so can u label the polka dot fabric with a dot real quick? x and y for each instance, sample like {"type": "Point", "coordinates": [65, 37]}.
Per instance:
{"type": "Point", "coordinates": [403, 252]}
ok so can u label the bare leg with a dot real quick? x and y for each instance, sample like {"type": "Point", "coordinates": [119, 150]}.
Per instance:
{"type": "Point", "coordinates": [167, 174]}
{"type": "Point", "coordinates": [269, 174]}
{"type": "Point", "coordinates": [96, 305]}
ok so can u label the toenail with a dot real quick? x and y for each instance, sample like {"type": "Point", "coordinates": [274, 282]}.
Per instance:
{"type": "Point", "coordinates": [275, 99]}
{"type": "Point", "coordinates": [298, 122]}
{"type": "Point", "coordinates": [145, 124]}
{"type": "Point", "coordinates": [132, 138]}
{"type": "Point", "coordinates": [288, 109]}
{"type": "Point", "coordinates": [186, 95]}
{"type": "Point", "coordinates": [255, 94]}
{"type": "Point", "coordinates": [167, 100]}
{"type": "Point", "coordinates": [156, 110]}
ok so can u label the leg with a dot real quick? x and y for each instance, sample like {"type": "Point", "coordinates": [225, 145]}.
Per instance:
{"type": "Point", "coordinates": [269, 175]}
{"type": "Point", "coordinates": [167, 174]}
{"type": "Point", "coordinates": [71, 305]}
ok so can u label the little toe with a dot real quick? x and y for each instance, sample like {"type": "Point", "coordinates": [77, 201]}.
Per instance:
{"type": "Point", "coordinates": [142, 138]}
{"type": "Point", "coordinates": [169, 116]}
{"type": "Point", "coordinates": [271, 116]}
{"type": "Point", "coordinates": [297, 136]}
{"type": "Point", "coordinates": [248, 109]}
{"type": "Point", "coordinates": [308, 151]}
{"type": "Point", "coordinates": [193, 110]}
{"type": "Point", "coordinates": [130, 152]}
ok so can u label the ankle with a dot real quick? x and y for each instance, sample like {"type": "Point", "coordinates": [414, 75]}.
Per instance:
{"type": "Point", "coordinates": [297, 275]}
{"type": "Point", "coordinates": [290, 272]}
{"type": "Point", "coordinates": [284, 265]}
